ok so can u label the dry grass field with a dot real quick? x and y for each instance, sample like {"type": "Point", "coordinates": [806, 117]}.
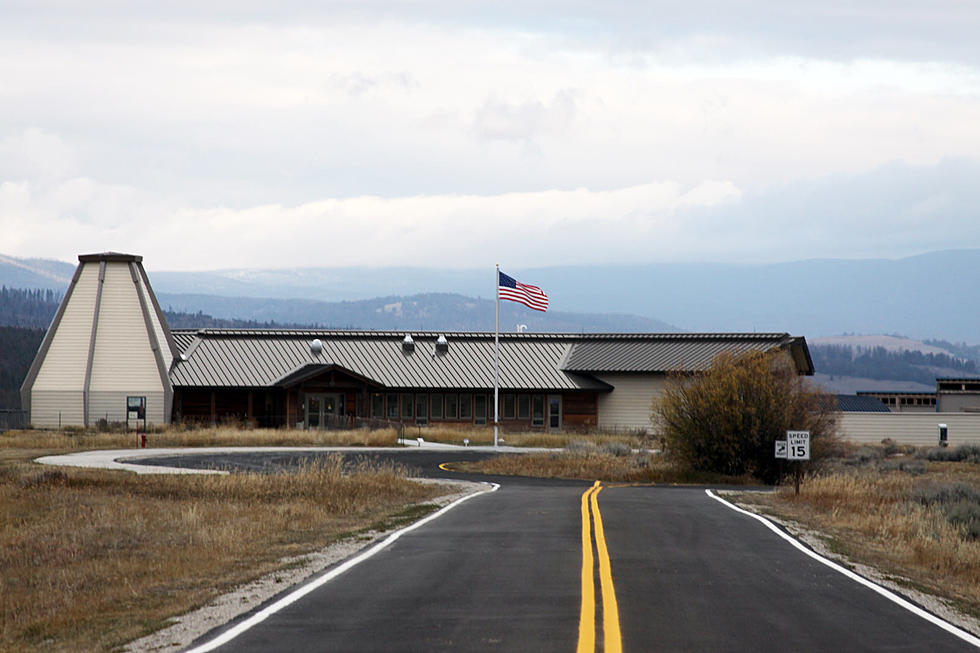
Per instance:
{"type": "Point", "coordinates": [76, 440]}
{"type": "Point", "coordinates": [610, 461]}
{"type": "Point", "coordinates": [93, 559]}
{"type": "Point", "coordinates": [543, 439]}
{"type": "Point", "coordinates": [916, 519]}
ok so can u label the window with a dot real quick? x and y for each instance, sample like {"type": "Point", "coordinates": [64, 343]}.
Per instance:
{"type": "Point", "coordinates": [451, 407]}
{"type": "Point", "coordinates": [436, 405]}
{"type": "Point", "coordinates": [377, 405]}
{"type": "Point", "coordinates": [537, 415]}
{"type": "Point", "coordinates": [524, 407]}
{"type": "Point", "coordinates": [508, 409]}
{"type": "Point", "coordinates": [406, 405]}
{"type": "Point", "coordinates": [480, 409]}
{"type": "Point", "coordinates": [422, 409]}
{"type": "Point", "coordinates": [392, 406]}
{"type": "Point", "coordinates": [466, 407]}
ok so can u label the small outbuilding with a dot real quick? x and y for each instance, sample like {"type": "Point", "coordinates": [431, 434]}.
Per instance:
{"type": "Point", "coordinates": [107, 353]}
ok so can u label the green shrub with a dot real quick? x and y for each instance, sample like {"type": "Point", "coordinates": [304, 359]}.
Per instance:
{"type": "Point", "coordinates": [959, 503]}
{"type": "Point", "coordinates": [725, 420]}
{"type": "Point", "coordinates": [964, 453]}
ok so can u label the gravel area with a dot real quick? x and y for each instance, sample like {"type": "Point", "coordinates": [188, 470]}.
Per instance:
{"type": "Point", "coordinates": [223, 609]}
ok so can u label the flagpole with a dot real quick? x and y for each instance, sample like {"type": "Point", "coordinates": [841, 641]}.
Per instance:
{"type": "Point", "coordinates": [496, 355]}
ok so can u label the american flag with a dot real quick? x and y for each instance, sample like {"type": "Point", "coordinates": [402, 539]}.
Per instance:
{"type": "Point", "coordinates": [512, 289]}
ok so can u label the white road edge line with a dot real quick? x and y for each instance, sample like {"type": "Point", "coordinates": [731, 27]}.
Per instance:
{"type": "Point", "coordinates": [888, 594]}
{"type": "Point", "coordinates": [300, 592]}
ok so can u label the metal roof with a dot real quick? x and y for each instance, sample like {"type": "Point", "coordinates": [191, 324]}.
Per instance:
{"type": "Point", "coordinates": [686, 352]}
{"type": "Point", "coordinates": [559, 362]}
{"type": "Point", "coordinates": [860, 404]}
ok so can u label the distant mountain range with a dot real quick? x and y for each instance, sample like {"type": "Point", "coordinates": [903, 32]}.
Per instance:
{"type": "Point", "coordinates": [933, 295]}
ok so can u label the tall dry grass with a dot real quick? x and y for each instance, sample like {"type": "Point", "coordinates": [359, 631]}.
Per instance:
{"type": "Point", "coordinates": [611, 461]}
{"type": "Point", "coordinates": [543, 439]}
{"type": "Point", "coordinates": [879, 517]}
{"type": "Point", "coordinates": [93, 559]}
{"type": "Point", "coordinates": [198, 437]}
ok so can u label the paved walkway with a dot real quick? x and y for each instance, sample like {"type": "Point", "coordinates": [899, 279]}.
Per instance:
{"type": "Point", "coordinates": [128, 459]}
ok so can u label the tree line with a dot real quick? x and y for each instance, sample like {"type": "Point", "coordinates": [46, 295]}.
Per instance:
{"type": "Point", "coordinates": [24, 318]}
{"type": "Point", "coordinates": [880, 363]}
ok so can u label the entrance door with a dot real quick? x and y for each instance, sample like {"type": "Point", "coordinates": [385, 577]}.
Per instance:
{"type": "Point", "coordinates": [322, 410]}
{"type": "Point", "coordinates": [314, 411]}
{"type": "Point", "coordinates": [554, 412]}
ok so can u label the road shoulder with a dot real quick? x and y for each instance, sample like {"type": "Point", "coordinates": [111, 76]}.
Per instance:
{"type": "Point", "coordinates": [817, 541]}
{"type": "Point", "coordinates": [190, 626]}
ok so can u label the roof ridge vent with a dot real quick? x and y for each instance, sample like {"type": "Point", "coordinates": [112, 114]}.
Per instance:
{"type": "Point", "coordinates": [442, 345]}
{"type": "Point", "coordinates": [408, 345]}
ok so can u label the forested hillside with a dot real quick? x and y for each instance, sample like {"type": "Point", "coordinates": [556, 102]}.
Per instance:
{"type": "Point", "coordinates": [17, 348]}
{"type": "Point", "coordinates": [880, 363]}
{"type": "Point", "coordinates": [24, 319]}
{"type": "Point", "coordinates": [36, 308]}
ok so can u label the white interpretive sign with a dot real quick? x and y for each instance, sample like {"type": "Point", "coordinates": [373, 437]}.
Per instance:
{"type": "Point", "coordinates": [780, 448]}
{"type": "Point", "coordinates": [798, 443]}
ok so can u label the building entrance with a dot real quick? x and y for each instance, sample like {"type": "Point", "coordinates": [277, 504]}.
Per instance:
{"type": "Point", "coordinates": [323, 409]}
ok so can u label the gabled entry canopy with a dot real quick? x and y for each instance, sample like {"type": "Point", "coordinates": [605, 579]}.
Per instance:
{"type": "Point", "coordinates": [310, 371]}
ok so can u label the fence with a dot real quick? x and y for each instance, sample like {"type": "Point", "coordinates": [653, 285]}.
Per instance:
{"type": "Point", "coordinates": [12, 419]}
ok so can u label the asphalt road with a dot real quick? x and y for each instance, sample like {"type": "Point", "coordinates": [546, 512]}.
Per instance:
{"type": "Point", "coordinates": [505, 571]}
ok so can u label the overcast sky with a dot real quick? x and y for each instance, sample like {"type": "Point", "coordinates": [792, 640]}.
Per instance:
{"type": "Point", "coordinates": [453, 134]}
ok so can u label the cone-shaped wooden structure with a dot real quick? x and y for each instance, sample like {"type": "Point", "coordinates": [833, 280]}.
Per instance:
{"type": "Point", "coordinates": [108, 342]}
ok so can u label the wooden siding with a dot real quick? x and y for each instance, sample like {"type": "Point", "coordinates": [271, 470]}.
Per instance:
{"type": "Point", "coordinates": [51, 409]}
{"type": "Point", "coordinates": [919, 429]}
{"type": "Point", "coordinates": [64, 365]}
{"type": "Point", "coordinates": [629, 405]}
{"type": "Point", "coordinates": [111, 406]}
{"type": "Point", "coordinates": [57, 393]}
{"type": "Point", "coordinates": [155, 320]}
{"type": "Point", "coordinates": [124, 361]}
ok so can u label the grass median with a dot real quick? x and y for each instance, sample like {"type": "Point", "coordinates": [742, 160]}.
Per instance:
{"type": "Point", "coordinates": [93, 559]}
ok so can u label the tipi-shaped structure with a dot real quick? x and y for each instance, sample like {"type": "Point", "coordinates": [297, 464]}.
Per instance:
{"type": "Point", "coordinates": [108, 352]}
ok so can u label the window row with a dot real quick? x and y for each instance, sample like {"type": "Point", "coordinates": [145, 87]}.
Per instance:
{"type": "Point", "coordinates": [456, 406]}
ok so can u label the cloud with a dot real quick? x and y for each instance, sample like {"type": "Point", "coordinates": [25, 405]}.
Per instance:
{"type": "Point", "coordinates": [897, 208]}
{"type": "Point", "coordinates": [424, 132]}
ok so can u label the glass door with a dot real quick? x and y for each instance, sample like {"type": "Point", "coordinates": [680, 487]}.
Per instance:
{"type": "Point", "coordinates": [323, 409]}
{"type": "Point", "coordinates": [314, 411]}
{"type": "Point", "coordinates": [554, 412]}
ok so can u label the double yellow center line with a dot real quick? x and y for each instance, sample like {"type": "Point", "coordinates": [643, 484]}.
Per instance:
{"type": "Point", "coordinates": [612, 640]}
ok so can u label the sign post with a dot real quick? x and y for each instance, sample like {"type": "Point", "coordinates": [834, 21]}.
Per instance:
{"type": "Point", "coordinates": [798, 449]}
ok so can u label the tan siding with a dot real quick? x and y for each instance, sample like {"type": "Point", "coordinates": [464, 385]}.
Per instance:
{"type": "Point", "coordinates": [909, 428]}
{"type": "Point", "coordinates": [123, 359]}
{"type": "Point", "coordinates": [51, 409]}
{"type": "Point", "coordinates": [953, 403]}
{"type": "Point", "coordinates": [64, 365]}
{"type": "Point", "coordinates": [628, 406]}
{"type": "Point", "coordinates": [157, 322]}
{"type": "Point", "coordinates": [111, 406]}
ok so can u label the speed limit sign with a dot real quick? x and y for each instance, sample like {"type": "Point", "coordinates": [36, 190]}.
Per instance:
{"type": "Point", "coordinates": [798, 445]}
